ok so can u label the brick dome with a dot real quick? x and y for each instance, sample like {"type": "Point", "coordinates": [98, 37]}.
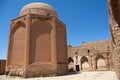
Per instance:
{"type": "Point", "coordinates": [38, 8]}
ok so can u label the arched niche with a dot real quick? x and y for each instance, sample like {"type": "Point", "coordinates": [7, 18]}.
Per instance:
{"type": "Point", "coordinates": [18, 43]}
{"type": "Point", "coordinates": [100, 63]}
{"type": "Point", "coordinates": [17, 25]}
{"type": "Point", "coordinates": [70, 64]}
{"type": "Point", "coordinates": [84, 63]}
{"type": "Point", "coordinates": [40, 41]}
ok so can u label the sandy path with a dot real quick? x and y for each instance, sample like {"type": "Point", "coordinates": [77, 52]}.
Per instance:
{"type": "Point", "coordinates": [98, 75]}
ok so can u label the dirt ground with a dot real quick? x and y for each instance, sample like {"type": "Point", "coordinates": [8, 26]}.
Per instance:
{"type": "Point", "coordinates": [96, 75]}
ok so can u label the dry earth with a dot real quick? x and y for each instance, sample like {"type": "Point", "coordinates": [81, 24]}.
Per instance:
{"type": "Point", "coordinates": [96, 75]}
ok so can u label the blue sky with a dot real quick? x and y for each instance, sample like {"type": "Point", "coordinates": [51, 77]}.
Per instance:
{"type": "Point", "coordinates": [86, 20]}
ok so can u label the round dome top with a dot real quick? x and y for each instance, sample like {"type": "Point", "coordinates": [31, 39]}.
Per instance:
{"type": "Point", "coordinates": [38, 8]}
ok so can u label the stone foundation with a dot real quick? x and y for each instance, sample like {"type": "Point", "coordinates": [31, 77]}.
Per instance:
{"type": "Point", "coordinates": [15, 72]}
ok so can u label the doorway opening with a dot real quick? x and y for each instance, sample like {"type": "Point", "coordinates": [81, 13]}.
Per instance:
{"type": "Point", "coordinates": [77, 68]}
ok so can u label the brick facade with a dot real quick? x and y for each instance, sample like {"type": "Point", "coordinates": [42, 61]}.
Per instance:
{"type": "Point", "coordinates": [37, 43]}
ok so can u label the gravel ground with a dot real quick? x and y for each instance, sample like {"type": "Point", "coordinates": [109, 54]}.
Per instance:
{"type": "Point", "coordinates": [97, 75]}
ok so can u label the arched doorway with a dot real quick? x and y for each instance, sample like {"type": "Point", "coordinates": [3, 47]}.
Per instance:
{"type": "Point", "coordinates": [84, 63]}
{"type": "Point", "coordinates": [100, 63]}
{"type": "Point", "coordinates": [70, 64]}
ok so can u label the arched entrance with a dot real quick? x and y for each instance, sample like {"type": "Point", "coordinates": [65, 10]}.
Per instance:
{"type": "Point", "coordinates": [100, 63]}
{"type": "Point", "coordinates": [84, 63]}
{"type": "Point", "coordinates": [70, 64]}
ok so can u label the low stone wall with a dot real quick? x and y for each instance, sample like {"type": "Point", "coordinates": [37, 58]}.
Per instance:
{"type": "Point", "coordinates": [2, 66]}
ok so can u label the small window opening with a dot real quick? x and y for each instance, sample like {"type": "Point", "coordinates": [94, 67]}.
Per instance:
{"type": "Point", "coordinates": [88, 51]}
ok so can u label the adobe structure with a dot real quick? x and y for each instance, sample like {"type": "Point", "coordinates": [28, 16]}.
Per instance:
{"type": "Point", "coordinates": [37, 43]}
{"type": "Point", "coordinates": [114, 20]}
{"type": "Point", "coordinates": [90, 56]}
{"type": "Point", "coordinates": [2, 66]}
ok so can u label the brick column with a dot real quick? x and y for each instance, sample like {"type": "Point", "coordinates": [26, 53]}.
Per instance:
{"type": "Point", "coordinates": [27, 44]}
{"type": "Point", "coordinates": [53, 43]}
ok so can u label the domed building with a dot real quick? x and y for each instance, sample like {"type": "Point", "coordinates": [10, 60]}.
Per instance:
{"type": "Point", "coordinates": [37, 43]}
{"type": "Point", "coordinates": [38, 8]}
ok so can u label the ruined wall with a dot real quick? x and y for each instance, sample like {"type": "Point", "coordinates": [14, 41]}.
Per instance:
{"type": "Point", "coordinates": [114, 20]}
{"type": "Point", "coordinates": [91, 56]}
{"type": "Point", "coordinates": [101, 46]}
{"type": "Point", "coordinates": [2, 66]}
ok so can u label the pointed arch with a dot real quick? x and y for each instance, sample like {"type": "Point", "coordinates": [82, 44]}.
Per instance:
{"type": "Point", "coordinates": [70, 64]}
{"type": "Point", "coordinates": [17, 25]}
{"type": "Point", "coordinates": [40, 41]}
{"type": "Point", "coordinates": [70, 60]}
{"type": "Point", "coordinates": [18, 43]}
{"type": "Point", "coordinates": [84, 63]}
{"type": "Point", "coordinates": [100, 62]}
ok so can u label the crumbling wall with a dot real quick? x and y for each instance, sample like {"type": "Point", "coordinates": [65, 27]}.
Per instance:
{"type": "Point", "coordinates": [114, 20]}
{"type": "Point", "coordinates": [90, 56]}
